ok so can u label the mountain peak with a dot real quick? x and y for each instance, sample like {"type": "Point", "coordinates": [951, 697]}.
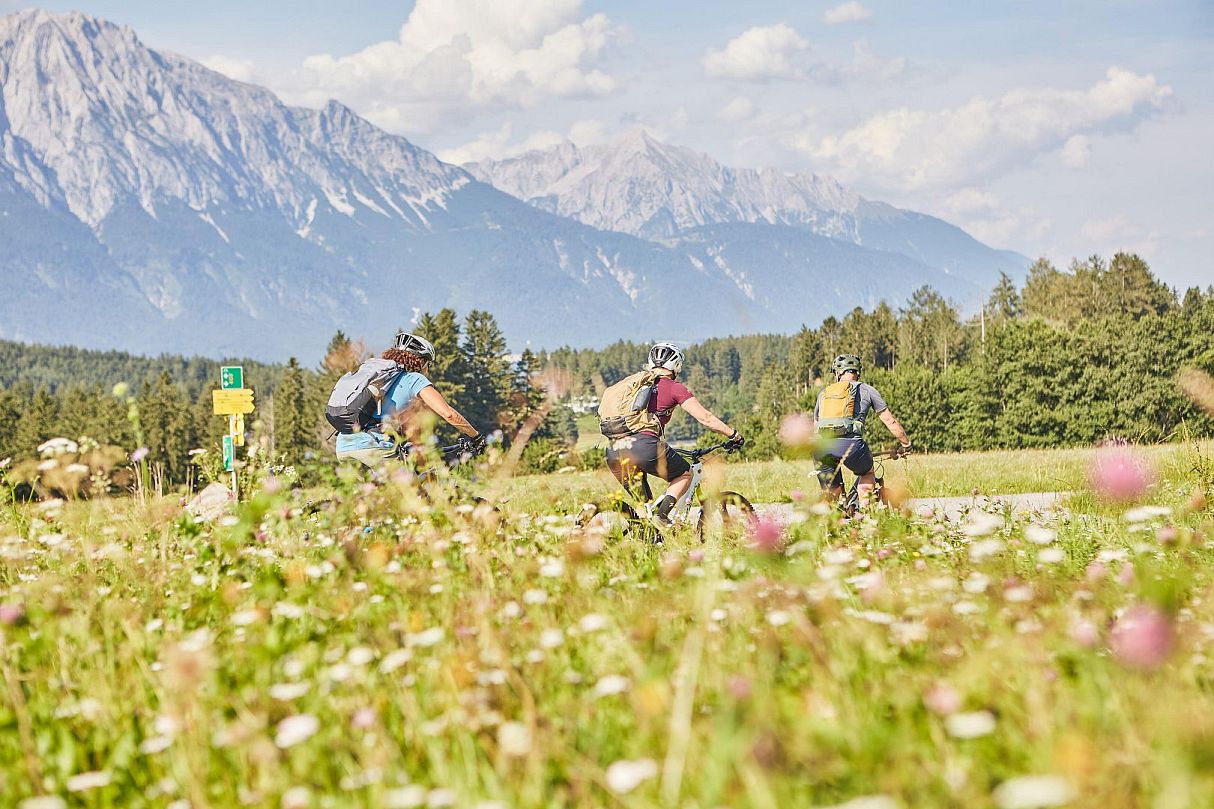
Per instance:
{"type": "Point", "coordinates": [74, 25]}
{"type": "Point", "coordinates": [636, 139]}
{"type": "Point", "coordinates": [639, 185]}
{"type": "Point", "coordinates": [197, 212]}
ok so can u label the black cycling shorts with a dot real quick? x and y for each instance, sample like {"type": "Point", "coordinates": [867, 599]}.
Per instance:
{"type": "Point", "coordinates": [643, 452]}
{"type": "Point", "coordinates": [850, 452]}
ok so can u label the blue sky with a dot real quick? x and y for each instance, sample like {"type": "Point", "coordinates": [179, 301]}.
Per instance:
{"type": "Point", "coordinates": [1058, 129]}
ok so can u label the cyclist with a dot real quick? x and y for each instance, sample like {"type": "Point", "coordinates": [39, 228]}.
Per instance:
{"type": "Point", "coordinates": [630, 457]}
{"type": "Point", "coordinates": [400, 403]}
{"type": "Point", "coordinates": [839, 417]}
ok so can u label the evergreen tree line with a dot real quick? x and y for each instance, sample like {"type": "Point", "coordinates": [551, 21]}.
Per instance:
{"type": "Point", "coordinates": [72, 396]}
{"type": "Point", "coordinates": [1074, 356]}
{"type": "Point", "coordinates": [61, 367]}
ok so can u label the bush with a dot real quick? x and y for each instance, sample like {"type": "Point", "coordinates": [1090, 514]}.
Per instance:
{"type": "Point", "coordinates": [590, 459]}
{"type": "Point", "coordinates": [542, 456]}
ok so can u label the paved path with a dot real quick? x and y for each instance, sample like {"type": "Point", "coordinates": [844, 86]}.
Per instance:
{"type": "Point", "coordinates": [953, 506]}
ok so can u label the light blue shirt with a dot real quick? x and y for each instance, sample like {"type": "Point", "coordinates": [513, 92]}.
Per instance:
{"type": "Point", "coordinates": [400, 394]}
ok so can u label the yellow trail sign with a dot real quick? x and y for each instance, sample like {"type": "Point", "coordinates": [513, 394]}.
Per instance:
{"type": "Point", "coordinates": [233, 401]}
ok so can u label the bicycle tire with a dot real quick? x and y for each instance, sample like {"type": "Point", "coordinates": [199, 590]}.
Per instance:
{"type": "Point", "coordinates": [634, 526]}
{"type": "Point", "coordinates": [721, 505]}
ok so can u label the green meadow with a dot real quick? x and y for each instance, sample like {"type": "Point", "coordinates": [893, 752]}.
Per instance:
{"type": "Point", "coordinates": [371, 648]}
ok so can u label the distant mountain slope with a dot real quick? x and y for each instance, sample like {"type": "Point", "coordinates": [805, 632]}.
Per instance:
{"type": "Point", "coordinates": [150, 204]}
{"type": "Point", "coordinates": [654, 190]}
{"type": "Point", "coordinates": [641, 186]}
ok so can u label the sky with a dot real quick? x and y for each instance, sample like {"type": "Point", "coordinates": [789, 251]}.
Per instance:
{"type": "Point", "coordinates": [1055, 129]}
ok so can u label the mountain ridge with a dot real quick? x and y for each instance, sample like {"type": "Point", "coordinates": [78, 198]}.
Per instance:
{"type": "Point", "coordinates": [149, 203]}
{"type": "Point", "coordinates": [669, 188]}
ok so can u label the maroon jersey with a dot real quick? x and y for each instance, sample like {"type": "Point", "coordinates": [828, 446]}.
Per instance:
{"type": "Point", "coordinates": [669, 395]}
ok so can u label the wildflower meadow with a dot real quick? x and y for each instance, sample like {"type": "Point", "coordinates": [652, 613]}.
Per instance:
{"type": "Point", "coordinates": [360, 645]}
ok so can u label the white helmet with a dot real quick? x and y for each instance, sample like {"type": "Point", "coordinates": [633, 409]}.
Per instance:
{"type": "Point", "coordinates": [666, 355]}
{"type": "Point", "coordinates": [415, 345]}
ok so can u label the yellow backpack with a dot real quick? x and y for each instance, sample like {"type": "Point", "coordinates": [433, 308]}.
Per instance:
{"type": "Point", "coordinates": [837, 406]}
{"type": "Point", "coordinates": [624, 407]}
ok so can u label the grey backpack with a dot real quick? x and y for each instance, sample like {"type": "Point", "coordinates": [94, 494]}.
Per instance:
{"type": "Point", "coordinates": [357, 400]}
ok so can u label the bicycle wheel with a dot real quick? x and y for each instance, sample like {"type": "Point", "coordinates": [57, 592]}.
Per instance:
{"type": "Point", "coordinates": [728, 510]}
{"type": "Point", "coordinates": [612, 514]}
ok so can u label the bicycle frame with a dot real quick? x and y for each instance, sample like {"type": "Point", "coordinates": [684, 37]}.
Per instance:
{"type": "Point", "coordinates": [680, 513]}
{"type": "Point", "coordinates": [849, 502]}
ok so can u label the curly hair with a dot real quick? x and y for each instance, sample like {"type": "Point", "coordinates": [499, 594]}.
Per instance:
{"type": "Point", "coordinates": [406, 359]}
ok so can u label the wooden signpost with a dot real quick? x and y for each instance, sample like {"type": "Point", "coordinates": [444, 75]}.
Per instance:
{"type": "Point", "coordinates": [233, 400]}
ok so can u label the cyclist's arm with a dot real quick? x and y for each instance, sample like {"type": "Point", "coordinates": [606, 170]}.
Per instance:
{"type": "Point", "coordinates": [895, 427]}
{"type": "Point", "coordinates": [435, 401]}
{"type": "Point", "coordinates": [703, 415]}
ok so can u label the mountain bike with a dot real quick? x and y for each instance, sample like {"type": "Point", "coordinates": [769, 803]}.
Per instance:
{"type": "Point", "coordinates": [849, 503]}
{"type": "Point", "coordinates": [451, 456]}
{"type": "Point", "coordinates": [637, 507]}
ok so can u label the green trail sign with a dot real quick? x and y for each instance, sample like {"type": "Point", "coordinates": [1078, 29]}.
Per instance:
{"type": "Point", "coordinates": [229, 453]}
{"type": "Point", "coordinates": [231, 376]}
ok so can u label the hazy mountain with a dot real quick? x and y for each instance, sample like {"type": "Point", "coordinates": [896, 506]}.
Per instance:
{"type": "Point", "coordinates": [149, 203]}
{"type": "Point", "coordinates": [654, 190]}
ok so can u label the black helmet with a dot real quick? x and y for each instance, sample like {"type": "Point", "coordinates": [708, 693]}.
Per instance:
{"type": "Point", "coordinates": [846, 362]}
{"type": "Point", "coordinates": [415, 345]}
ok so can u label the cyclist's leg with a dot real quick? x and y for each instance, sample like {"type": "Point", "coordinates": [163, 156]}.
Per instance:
{"type": "Point", "coordinates": [829, 472]}
{"type": "Point", "coordinates": [671, 467]}
{"type": "Point", "coordinates": [859, 459]}
{"type": "Point", "coordinates": [373, 457]}
{"type": "Point", "coordinates": [646, 490]}
{"type": "Point", "coordinates": [621, 461]}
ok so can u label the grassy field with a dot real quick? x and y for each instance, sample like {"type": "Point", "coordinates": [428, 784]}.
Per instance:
{"type": "Point", "coordinates": [385, 652]}
{"type": "Point", "coordinates": [938, 475]}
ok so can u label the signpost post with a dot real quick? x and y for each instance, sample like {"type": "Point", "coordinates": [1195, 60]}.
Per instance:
{"type": "Point", "coordinates": [233, 400]}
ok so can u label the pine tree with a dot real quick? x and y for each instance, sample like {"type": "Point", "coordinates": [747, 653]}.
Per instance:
{"type": "Point", "coordinates": [292, 425]}
{"type": "Point", "coordinates": [806, 359]}
{"type": "Point", "coordinates": [525, 397]}
{"type": "Point", "coordinates": [1043, 295]}
{"type": "Point", "coordinates": [11, 408]}
{"type": "Point", "coordinates": [38, 421]}
{"type": "Point", "coordinates": [488, 381]}
{"type": "Point", "coordinates": [448, 371]}
{"type": "Point", "coordinates": [930, 331]}
{"type": "Point", "coordinates": [1004, 302]}
{"type": "Point", "coordinates": [342, 355]}
{"type": "Point", "coordinates": [169, 428]}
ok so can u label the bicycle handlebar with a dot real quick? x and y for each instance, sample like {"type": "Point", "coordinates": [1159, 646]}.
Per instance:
{"type": "Point", "coordinates": [896, 452]}
{"type": "Point", "coordinates": [697, 454]}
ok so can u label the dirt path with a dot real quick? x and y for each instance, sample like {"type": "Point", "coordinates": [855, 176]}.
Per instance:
{"type": "Point", "coordinates": [953, 506]}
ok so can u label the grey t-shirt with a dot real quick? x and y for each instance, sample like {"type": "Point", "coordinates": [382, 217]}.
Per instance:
{"type": "Point", "coordinates": [869, 400]}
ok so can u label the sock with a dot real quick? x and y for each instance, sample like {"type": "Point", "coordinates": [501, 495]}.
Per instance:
{"type": "Point", "coordinates": [665, 505]}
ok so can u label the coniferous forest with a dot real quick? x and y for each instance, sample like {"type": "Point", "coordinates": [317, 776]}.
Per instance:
{"type": "Point", "coordinates": [1072, 357]}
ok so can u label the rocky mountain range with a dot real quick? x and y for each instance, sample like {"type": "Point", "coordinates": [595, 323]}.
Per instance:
{"type": "Point", "coordinates": [639, 185]}
{"type": "Point", "coordinates": [151, 204]}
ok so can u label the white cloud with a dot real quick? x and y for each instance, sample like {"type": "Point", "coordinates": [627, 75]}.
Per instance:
{"type": "Point", "coordinates": [867, 64]}
{"type": "Point", "coordinates": [500, 144]}
{"type": "Point", "coordinates": [758, 54]}
{"type": "Point", "coordinates": [1102, 230]}
{"type": "Point", "coordinates": [850, 11]}
{"type": "Point", "coordinates": [1119, 233]}
{"type": "Point", "coordinates": [232, 67]}
{"type": "Point", "coordinates": [1002, 229]}
{"type": "Point", "coordinates": [1076, 151]}
{"type": "Point", "coordinates": [951, 148]}
{"type": "Point", "coordinates": [739, 109]}
{"type": "Point", "coordinates": [456, 57]}
{"type": "Point", "coordinates": [584, 133]}
{"type": "Point", "coordinates": [971, 200]}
